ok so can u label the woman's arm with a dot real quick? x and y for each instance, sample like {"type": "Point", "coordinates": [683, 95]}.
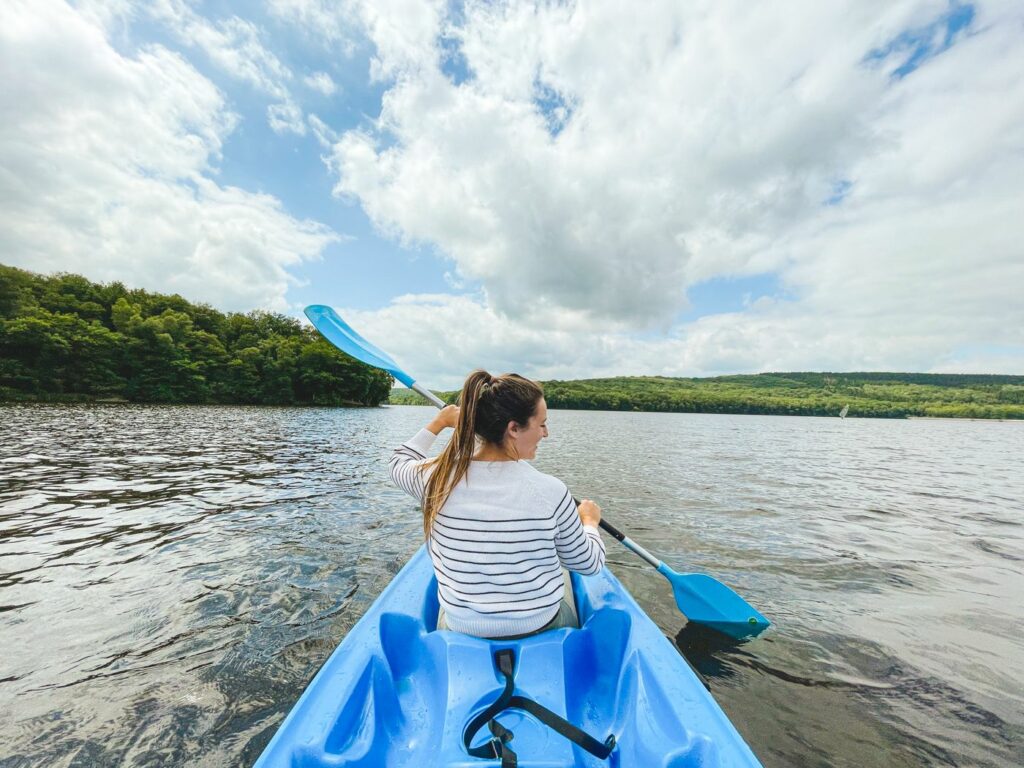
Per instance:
{"type": "Point", "coordinates": [406, 466]}
{"type": "Point", "coordinates": [577, 540]}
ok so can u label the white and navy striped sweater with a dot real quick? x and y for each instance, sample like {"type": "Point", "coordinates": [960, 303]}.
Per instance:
{"type": "Point", "coordinates": [499, 542]}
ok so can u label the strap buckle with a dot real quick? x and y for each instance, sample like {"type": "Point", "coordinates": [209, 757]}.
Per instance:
{"type": "Point", "coordinates": [499, 743]}
{"type": "Point", "coordinates": [496, 746]}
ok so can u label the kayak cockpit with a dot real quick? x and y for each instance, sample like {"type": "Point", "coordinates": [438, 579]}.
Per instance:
{"type": "Point", "coordinates": [399, 692]}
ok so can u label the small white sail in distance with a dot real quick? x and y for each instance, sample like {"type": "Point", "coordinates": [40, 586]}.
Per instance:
{"type": "Point", "coordinates": [842, 413]}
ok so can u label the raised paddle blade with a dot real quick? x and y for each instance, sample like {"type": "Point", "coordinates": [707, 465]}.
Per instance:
{"type": "Point", "coordinates": [345, 338]}
{"type": "Point", "coordinates": [707, 601]}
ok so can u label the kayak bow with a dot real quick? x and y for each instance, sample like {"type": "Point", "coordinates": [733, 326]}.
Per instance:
{"type": "Point", "coordinates": [397, 692]}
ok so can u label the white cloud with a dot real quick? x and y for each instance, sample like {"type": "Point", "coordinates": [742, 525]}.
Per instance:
{"type": "Point", "coordinates": [233, 44]}
{"type": "Point", "coordinates": [105, 164]}
{"type": "Point", "coordinates": [329, 21]}
{"type": "Point", "coordinates": [286, 118]}
{"type": "Point", "coordinates": [325, 135]}
{"type": "Point", "coordinates": [322, 83]}
{"type": "Point", "coordinates": [440, 338]}
{"type": "Point", "coordinates": [581, 165]}
{"type": "Point", "coordinates": [586, 164]}
{"type": "Point", "coordinates": [676, 164]}
{"type": "Point", "coordinates": [106, 13]}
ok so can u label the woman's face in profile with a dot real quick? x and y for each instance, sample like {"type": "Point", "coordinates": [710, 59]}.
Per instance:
{"type": "Point", "coordinates": [526, 439]}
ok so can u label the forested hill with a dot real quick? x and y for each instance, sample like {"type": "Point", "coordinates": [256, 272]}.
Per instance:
{"type": "Point", "coordinates": [66, 338]}
{"type": "Point", "coordinates": [885, 395]}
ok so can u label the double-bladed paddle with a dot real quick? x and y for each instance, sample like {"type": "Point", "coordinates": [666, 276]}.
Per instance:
{"type": "Point", "coordinates": [702, 599]}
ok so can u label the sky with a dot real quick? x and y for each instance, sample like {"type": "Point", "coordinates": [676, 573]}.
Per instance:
{"type": "Point", "coordinates": [565, 190]}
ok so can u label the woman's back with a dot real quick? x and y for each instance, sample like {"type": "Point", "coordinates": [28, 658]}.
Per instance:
{"type": "Point", "coordinates": [499, 542]}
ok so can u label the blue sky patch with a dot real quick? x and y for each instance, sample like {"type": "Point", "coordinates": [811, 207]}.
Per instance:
{"type": "Point", "coordinates": [454, 63]}
{"type": "Point", "coordinates": [840, 190]}
{"type": "Point", "coordinates": [721, 295]}
{"type": "Point", "coordinates": [916, 46]}
{"type": "Point", "coordinates": [552, 105]}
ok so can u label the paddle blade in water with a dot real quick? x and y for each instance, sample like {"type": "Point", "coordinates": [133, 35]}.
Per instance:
{"type": "Point", "coordinates": [345, 338]}
{"type": "Point", "coordinates": [707, 601]}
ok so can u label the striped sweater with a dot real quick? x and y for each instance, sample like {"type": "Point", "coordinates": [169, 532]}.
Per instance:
{"type": "Point", "coordinates": [499, 542]}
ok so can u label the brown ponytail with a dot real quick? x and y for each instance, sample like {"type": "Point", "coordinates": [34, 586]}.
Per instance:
{"type": "Point", "coordinates": [487, 404]}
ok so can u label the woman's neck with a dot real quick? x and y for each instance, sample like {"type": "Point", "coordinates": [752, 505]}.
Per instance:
{"type": "Point", "coordinates": [491, 452]}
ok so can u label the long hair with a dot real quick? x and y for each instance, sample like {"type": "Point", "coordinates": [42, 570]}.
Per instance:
{"type": "Point", "coordinates": [487, 404]}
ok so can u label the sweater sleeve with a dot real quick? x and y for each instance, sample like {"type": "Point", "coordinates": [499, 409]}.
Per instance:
{"type": "Point", "coordinates": [407, 462]}
{"type": "Point", "coordinates": [579, 546]}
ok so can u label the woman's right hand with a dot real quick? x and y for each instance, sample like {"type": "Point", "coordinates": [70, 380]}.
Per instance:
{"type": "Point", "coordinates": [448, 418]}
{"type": "Point", "coordinates": [590, 513]}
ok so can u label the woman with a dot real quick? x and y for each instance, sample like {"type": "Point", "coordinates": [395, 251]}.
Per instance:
{"type": "Point", "coordinates": [498, 531]}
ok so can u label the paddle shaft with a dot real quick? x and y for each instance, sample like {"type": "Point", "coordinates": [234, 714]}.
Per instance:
{"type": "Point", "coordinates": [434, 399]}
{"type": "Point", "coordinates": [630, 544]}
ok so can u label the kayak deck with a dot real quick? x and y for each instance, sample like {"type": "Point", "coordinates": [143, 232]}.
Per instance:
{"type": "Point", "coordinates": [396, 692]}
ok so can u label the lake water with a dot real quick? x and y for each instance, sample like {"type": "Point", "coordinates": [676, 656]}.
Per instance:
{"type": "Point", "coordinates": [172, 577]}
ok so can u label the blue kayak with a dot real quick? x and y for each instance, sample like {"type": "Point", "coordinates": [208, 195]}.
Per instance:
{"type": "Point", "coordinates": [397, 692]}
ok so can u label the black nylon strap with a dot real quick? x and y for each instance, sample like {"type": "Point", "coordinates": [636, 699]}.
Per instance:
{"type": "Point", "coordinates": [498, 747]}
{"type": "Point", "coordinates": [504, 660]}
{"type": "Point", "coordinates": [564, 727]}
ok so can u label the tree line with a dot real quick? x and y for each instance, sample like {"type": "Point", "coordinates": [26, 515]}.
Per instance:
{"type": "Point", "coordinates": [878, 395]}
{"type": "Point", "coordinates": [63, 337]}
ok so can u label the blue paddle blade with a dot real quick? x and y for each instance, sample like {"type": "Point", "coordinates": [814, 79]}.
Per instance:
{"type": "Point", "coordinates": [707, 601]}
{"type": "Point", "coordinates": [344, 337]}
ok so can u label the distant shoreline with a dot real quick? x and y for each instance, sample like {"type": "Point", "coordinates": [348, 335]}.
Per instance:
{"type": "Point", "coordinates": [795, 415]}
{"type": "Point", "coordinates": [884, 395]}
{"type": "Point", "coordinates": [960, 418]}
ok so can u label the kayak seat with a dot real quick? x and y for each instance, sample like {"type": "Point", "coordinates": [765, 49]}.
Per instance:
{"type": "Point", "coordinates": [591, 676]}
